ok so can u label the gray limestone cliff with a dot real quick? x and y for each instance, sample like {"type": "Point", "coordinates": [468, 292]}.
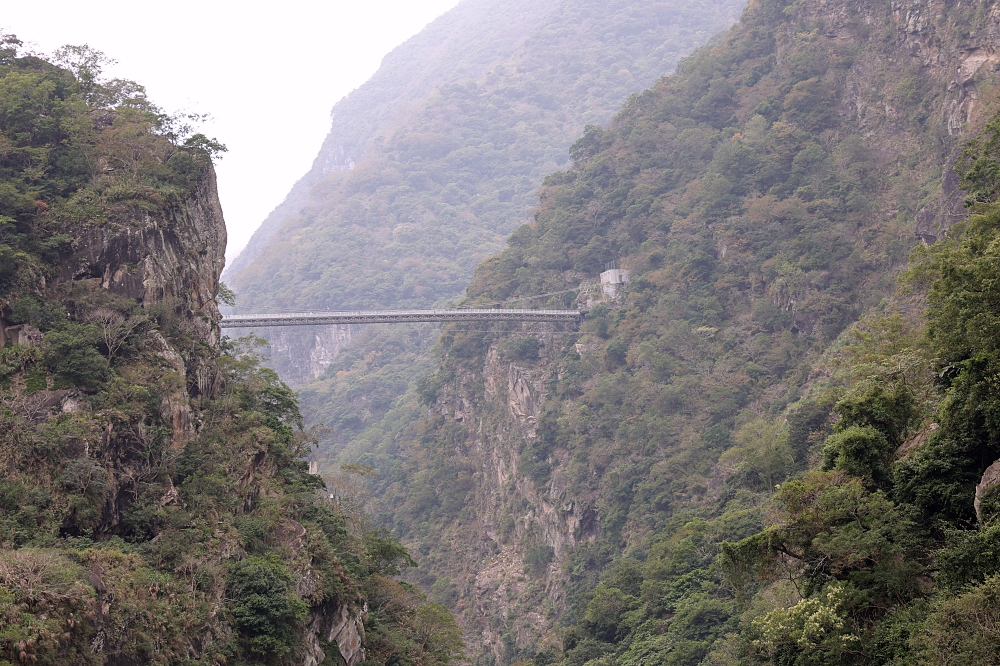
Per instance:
{"type": "Point", "coordinates": [504, 587]}
{"type": "Point", "coordinates": [299, 354]}
{"type": "Point", "coordinates": [170, 259]}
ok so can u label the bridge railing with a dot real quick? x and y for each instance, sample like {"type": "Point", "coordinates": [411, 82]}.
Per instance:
{"type": "Point", "coordinates": [396, 317]}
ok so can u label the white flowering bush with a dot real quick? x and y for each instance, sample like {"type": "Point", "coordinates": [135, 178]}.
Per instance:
{"type": "Point", "coordinates": [816, 625]}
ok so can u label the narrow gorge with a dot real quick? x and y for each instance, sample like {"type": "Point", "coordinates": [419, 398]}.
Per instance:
{"type": "Point", "coordinates": [771, 437]}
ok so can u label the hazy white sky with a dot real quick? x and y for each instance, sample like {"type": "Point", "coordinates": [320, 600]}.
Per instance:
{"type": "Point", "coordinates": [269, 73]}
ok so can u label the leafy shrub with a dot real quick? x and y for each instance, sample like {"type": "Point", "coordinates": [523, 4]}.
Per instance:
{"type": "Point", "coordinates": [860, 451]}
{"type": "Point", "coordinates": [605, 615]}
{"type": "Point", "coordinates": [523, 349]}
{"type": "Point", "coordinates": [72, 353]}
{"type": "Point", "coordinates": [254, 530]}
{"type": "Point", "coordinates": [964, 629]}
{"type": "Point", "coordinates": [15, 358]}
{"type": "Point", "coordinates": [266, 612]}
{"type": "Point", "coordinates": [537, 560]}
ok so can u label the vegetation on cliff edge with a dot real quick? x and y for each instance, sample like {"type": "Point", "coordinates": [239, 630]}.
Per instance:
{"type": "Point", "coordinates": [125, 537]}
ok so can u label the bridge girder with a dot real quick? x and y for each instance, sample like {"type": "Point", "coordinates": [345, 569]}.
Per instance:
{"type": "Point", "coordinates": [397, 317]}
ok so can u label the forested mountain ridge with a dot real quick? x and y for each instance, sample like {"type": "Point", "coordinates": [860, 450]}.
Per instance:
{"type": "Point", "coordinates": [451, 172]}
{"type": "Point", "coordinates": [154, 507]}
{"type": "Point", "coordinates": [764, 198]}
{"type": "Point", "coordinates": [464, 43]}
{"type": "Point", "coordinates": [449, 176]}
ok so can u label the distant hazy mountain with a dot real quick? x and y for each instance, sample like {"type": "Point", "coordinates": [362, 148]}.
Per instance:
{"type": "Point", "coordinates": [464, 43]}
{"type": "Point", "coordinates": [430, 164]}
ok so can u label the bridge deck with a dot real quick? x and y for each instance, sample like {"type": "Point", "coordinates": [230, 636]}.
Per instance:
{"type": "Point", "coordinates": [395, 317]}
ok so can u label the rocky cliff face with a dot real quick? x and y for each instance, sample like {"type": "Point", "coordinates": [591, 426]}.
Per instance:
{"type": "Point", "coordinates": [175, 257]}
{"type": "Point", "coordinates": [505, 599]}
{"type": "Point", "coordinates": [171, 260]}
{"type": "Point", "coordinates": [300, 353]}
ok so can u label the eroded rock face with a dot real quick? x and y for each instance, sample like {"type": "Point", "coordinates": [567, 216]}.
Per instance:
{"type": "Point", "coordinates": [959, 61]}
{"type": "Point", "coordinates": [300, 354]}
{"type": "Point", "coordinates": [493, 582]}
{"type": "Point", "coordinates": [175, 408]}
{"type": "Point", "coordinates": [22, 334]}
{"type": "Point", "coordinates": [987, 493]}
{"type": "Point", "coordinates": [335, 628]}
{"type": "Point", "coordinates": [174, 257]}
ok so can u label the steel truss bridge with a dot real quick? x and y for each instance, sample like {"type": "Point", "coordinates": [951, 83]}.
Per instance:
{"type": "Point", "coordinates": [397, 317]}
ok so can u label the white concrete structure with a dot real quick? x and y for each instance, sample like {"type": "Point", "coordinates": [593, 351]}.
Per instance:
{"type": "Point", "coordinates": [613, 280]}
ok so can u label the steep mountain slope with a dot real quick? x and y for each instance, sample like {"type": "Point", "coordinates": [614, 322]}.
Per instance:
{"type": "Point", "coordinates": [154, 508]}
{"type": "Point", "coordinates": [764, 198]}
{"type": "Point", "coordinates": [465, 43]}
{"type": "Point", "coordinates": [444, 170]}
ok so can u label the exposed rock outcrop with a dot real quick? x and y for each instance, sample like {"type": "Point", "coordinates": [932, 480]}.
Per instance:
{"type": "Point", "coordinates": [169, 260]}
{"type": "Point", "coordinates": [494, 580]}
{"type": "Point", "coordinates": [176, 257]}
{"type": "Point", "coordinates": [175, 408]}
{"type": "Point", "coordinates": [987, 493]}
{"type": "Point", "coordinates": [300, 354]}
{"type": "Point", "coordinates": [335, 629]}
{"type": "Point", "coordinates": [22, 334]}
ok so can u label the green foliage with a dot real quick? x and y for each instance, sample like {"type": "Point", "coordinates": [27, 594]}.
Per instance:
{"type": "Point", "coordinates": [72, 354]}
{"type": "Point", "coordinates": [979, 165]}
{"type": "Point", "coordinates": [816, 630]}
{"type": "Point", "coordinates": [604, 618]}
{"type": "Point", "coordinates": [762, 456]}
{"type": "Point", "coordinates": [537, 560]}
{"type": "Point", "coordinates": [807, 426]}
{"type": "Point", "coordinates": [227, 295]}
{"type": "Point", "coordinates": [385, 555]}
{"type": "Point", "coordinates": [872, 525]}
{"type": "Point", "coordinates": [751, 215]}
{"type": "Point", "coordinates": [525, 349]}
{"type": "Point", "coordinates": [964, 629]}
{"type": "Point", "coordinates": [266, 613]}
{"type": "Point", "coordinates": [16, 358]}
{"type": "Point", "coordinates": [860, 451]}
{"type": "Point", "coordinates": [961, 328]}
{"type": "Point", "coordinates": [75, 146]}
{"type": "Point", "coordinates": [968, 557]}
{"type": "Point", "coordinates": [145, 519]}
